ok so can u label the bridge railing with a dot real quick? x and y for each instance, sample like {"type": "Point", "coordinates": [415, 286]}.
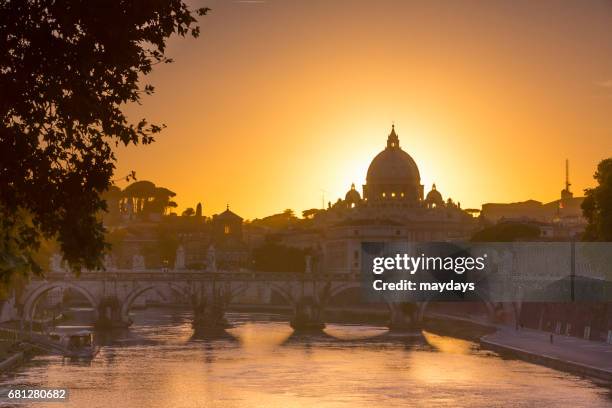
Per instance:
{"type": "Point", "coordinates": [195, 275]}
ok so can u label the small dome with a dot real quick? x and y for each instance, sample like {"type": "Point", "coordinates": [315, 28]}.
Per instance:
{"type": "Point", "coordinates": [352, 196]}
{"type": "Point", "coordinates": [434, 197]}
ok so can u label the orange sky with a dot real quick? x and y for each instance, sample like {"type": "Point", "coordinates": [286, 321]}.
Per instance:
{"type": "Point", "coordinates": [279, 100]}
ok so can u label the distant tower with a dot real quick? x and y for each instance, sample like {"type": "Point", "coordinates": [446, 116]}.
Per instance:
{"type": "Point", "coordinates": [566, 194]}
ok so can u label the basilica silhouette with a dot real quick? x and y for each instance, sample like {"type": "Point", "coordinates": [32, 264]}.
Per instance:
{"type": "Point", "coordinates": [392, 207]}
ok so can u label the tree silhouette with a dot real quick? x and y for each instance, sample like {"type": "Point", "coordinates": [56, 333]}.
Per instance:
{"type": "Point", "coordinates": [597, 205]}
{"type": "Point", "coordinates": [67, 69]}
{"type": "Point", "coordinates": [281, 220]}
{"type": "Point", "coordinates": [310, 213]}
{"type": "Point", "coordinates": [138, 194]}
{"type": "Point", "coordinates": [161, 201]}
{"type": "Point", "coordinates": [145, 198]}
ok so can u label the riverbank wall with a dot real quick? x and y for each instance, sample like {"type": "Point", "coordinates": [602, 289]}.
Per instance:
{"type": "Point", "coordinates": [548, 361]}
{"type": "Point", "coordinates": [482, 333]}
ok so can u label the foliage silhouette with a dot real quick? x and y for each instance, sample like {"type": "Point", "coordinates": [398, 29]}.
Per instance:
{"type": "Point", "coordinates": [67, 69]}
{"type": "Point", "coordinates": [597, 204]}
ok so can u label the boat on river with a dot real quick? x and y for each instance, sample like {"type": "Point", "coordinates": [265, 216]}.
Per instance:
{"type": "Point", "coordinates": [78, 344]}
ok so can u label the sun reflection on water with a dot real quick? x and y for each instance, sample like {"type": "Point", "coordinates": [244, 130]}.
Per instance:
{"type": "Point", "coordinates": [260, 362]}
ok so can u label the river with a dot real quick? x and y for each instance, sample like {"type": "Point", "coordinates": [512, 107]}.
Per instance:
{"type": "Point", "coordinates": [260, 363]}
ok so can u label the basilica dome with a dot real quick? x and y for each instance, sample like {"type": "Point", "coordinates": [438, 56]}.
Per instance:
{"type": "Point", "coordinates": [393, 174]}
{"type": "Point", "coordinates": [393, 166]}
{"type": "Point", "coordinates": [434, 198]}
{"type": "Point", "coordinates": [352, 196]}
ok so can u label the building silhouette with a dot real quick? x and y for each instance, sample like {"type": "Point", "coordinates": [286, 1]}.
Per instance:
{"type": "Point", "coordinates": [392, 207]}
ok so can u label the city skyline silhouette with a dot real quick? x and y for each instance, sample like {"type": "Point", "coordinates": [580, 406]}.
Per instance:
{"type": "Point", "coordinates": [489, 99]}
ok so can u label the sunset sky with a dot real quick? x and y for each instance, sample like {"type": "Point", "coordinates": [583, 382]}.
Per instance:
{"type": "Point", "coordinates": [280, 101]}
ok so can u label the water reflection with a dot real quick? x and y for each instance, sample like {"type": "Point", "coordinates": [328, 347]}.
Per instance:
{"type": "Point", "coordinates": [160, 362]}
{"type": "Point", "coordinates": [354, 332]}
{"type": "Point", "coordinates": [261, 336]}
{"type": "Point", "coordinates": [449, 344]}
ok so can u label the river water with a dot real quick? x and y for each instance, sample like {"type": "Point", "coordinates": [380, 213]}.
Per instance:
{"type": "Point", "coordinates": [259, 363]}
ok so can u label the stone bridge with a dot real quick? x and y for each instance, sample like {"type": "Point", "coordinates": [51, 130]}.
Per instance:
{"type": "Point", "coordinates": [112, 294]}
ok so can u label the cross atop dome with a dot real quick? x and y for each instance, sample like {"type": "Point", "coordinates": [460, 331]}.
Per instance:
{"type": "Point", "coordinates": [392, 140]}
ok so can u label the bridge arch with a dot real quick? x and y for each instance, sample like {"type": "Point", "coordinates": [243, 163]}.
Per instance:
{"type": "Point", "coordinates": [135, 293]}
{"type": "Point", "coordinates": [131, 297]}
{"type": "Point", "coordinates": [180, 290]}
{"type": "Point", "coordinates": [336, 291]}
{"type": "Point", "coordinates": [238, 290]}
{"type": "Point", "coordinates": [31, 300]}
{"type": "Point", "coordinates": [286, 294]}
{"type": "Point", "coordinates": [342, 287]}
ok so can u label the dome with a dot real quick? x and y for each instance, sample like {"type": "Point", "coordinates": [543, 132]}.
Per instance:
{"type": "Point", "coordinates": [434, 197]}
{"type": "Point", "coordinates": [393, 165]}
{"type": "Point", "coordinates": [393, 175]}
{"type": "Point", "coordinates": [352, 196]}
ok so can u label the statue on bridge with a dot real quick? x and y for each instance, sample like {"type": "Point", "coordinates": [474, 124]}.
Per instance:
{"type": "Point", "coordinates": [138, 262]}
{"type": "Point", "coordinates": [179, 262]}
{"type": "Point", "coordinates": [55, 263]}
{"type": "Point", "coordinates": [308, 268]}
{"type": "Point", "coordinates": [109, 262]}
{"type": "Point", "coordinates": [211, 261]}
